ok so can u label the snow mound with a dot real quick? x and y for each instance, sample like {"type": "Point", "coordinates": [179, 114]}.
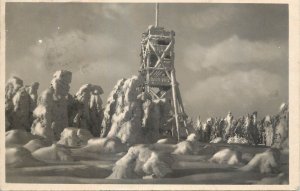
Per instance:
{"type": "Point", "coordinates": [142, 161]}
{"type": "Point", "coordinates": [53, 153]}
{"type": "Point", "coordinates": [36, 144]}
{"type": "Point", "coordinates": [227, 156]}
{"type": "Point", "coordinates": [167, 141]}
{"type": "Point", "coordinates": [157, 165]}
{"type": "Point", "coordinates": [20, 157]}
{"type": "Point", "coordinates": [74, 137]}
{"type": "Point", "coordinates": [217, 140]}
{"type": "Point", "coordinates": [188, 147]}
{"type": "Point", "coordinates": [266, 162]}
{"type": "Point", "coordinates": [237, 140]}
{"type": "Point", "coordinates": [18, 137]}
{"type": "Point", "coordinates": [192, 137]}
{"type": "Point", "coordinates": [105, 145]}
{"type": "Point", "coordinates": [184, 148]}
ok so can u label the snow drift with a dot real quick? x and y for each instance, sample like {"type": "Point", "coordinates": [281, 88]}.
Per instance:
{"type": "Point", "coordinates": [281, 178]}
{"type": "Point", "coordinates": [104, 145]}
{"type": "Point", "coordinates": [53, 153]}
{"type": "Point", "coordinates": [20, 157]}
{"type": "Point", "coordinates": [18, 137]}
{"type": "Point", "coordinates": [36, 144]}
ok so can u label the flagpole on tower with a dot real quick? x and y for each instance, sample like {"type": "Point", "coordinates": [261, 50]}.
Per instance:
{"type": "Point", "coordinates": [156, 14]}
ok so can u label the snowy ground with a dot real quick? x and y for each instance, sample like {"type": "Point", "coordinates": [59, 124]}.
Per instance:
{"type": "Point", "coordinates": [93, 168]}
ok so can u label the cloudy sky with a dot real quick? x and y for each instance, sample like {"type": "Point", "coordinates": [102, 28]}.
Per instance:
{"type": "Point", "coordinates": [228, 56]}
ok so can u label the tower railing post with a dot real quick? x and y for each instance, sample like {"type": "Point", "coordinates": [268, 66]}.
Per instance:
{"type": "Point", "coordinates": [156, 14]}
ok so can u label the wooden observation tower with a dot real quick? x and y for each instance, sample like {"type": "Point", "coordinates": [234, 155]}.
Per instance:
{"type": "Point", "coordinates": [158, 71]}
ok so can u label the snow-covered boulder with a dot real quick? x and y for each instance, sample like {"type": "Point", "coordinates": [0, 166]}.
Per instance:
{"type": "Point", "coordinates": [142, 161]}
{"type": "Point", "coordinates": [227, 156]}
{"type": "Point", "coordinates": [266, 162]}
{"type": "Point", "coordinates": [190, 146]}
{"type": "Point", "coordinates": [184, 148]}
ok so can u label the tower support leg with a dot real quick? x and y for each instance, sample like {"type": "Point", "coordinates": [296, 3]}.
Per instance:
{"type": "Point", "coordinates": [173, 79]}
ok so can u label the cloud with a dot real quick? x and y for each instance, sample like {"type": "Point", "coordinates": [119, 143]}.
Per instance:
{"type": "Point", "coordinates": [115, 11]}
{"type": "Point", "coordinates": [238, 91]}
{"type": "Point", "coordinates": [233, 54]}
{"type": "Point", "coordinates": [91, 58]}
{"type": "Point", "coordinates": [211, 17]}
{"type": "Point", "coordinates": [72, 50]}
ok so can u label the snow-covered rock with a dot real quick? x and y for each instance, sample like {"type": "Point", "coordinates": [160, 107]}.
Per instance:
{"type": "Point", "coordinates": [266, 162]}
{"type": "Point", "coordinates": [190, 146]}
{"type": "Point", "coordinates": [227, 156]}
{"type": "Point", "coordinates": [185, 148]}
{"type": "Point", "coordinates": [142, 161]}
